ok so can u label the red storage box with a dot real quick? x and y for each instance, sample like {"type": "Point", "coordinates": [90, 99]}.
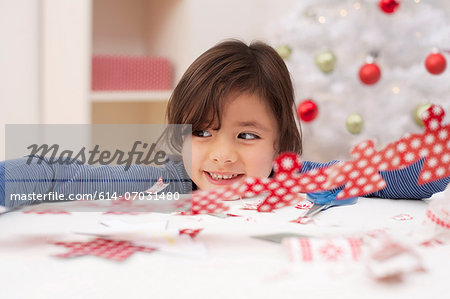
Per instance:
{"type": "Point", "coordinates": [114, 72]}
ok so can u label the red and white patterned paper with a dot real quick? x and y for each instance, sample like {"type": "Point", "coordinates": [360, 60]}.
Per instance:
{"type": "Point", "coordinates": [288, 182]}
{"type": "Point", "coordinates": [390, 259]}
{"type": "Point", "coordinates": [309, 250]}
{"type": "Point", "coordinates": [106, 248]}
{"type": "Point", "coordinates": [360, 176]}
{"type": "Point", "coordinates": [191, 232]}
{"type": "Point", "coordinates": [433, 145]}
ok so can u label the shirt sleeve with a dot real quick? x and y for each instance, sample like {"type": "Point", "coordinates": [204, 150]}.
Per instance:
{"type": "Point", "coordinates": [400, 183]}
{"type": "Point", "coordinates": [20, 178]}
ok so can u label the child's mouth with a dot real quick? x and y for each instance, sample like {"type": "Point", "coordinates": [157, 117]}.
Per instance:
{"type": "Point", "coordinates": [223, 178]}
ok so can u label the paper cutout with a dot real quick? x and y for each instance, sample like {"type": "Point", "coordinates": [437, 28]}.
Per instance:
{"type": "Point", "coordinates": [154, 234]}
{"type": "Point", "coordinates": [42, 211]}
{"type": "Point", "coordinates": [403, 217]}
{"type": "Point", "coordinates": [190, 232]}
{"type": "Point", "coordinates": [157, 187]}
{"type": "Point", "coordinates": [106, 248]}
{"type": "Point", "coordinates": [302, 220]}
{"type": "Point", "coordinates": [361, 176]}
{"type": "Point", "coordinates": [433, 145]}
{"type": "Point", "coordinates": [307, 250]}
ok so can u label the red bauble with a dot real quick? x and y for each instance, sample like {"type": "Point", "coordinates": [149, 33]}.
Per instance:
{"type": "Point", "coordinates": [307, 110]}
{"type": "Point", "coordinates": [369, 73]}
{"type": "Point", "coordinates": [435, 63]}
{"type": "Point", "coordinates": [389, 6]}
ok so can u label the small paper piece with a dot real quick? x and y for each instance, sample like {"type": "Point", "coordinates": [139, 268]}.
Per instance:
{"type": "Point", "coordinates": [302, 220]}
{"type": "Point", "coordinates": [157, 187]}
{"type": "Point", "coordinates": [45, 210]}
{"type": "Point", "coordinates": [403, 217]}
{"type": "Point", "coordinates": [306, 205]}
{"type": "Point", "coordinates": [277, 238]}
{"type": "Point", "coordinates": [110, 249]}
{"type": "Point", "coordinates": [191, 232]}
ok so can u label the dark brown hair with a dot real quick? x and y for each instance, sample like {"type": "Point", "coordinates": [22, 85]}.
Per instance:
{"type": "Point", "coordinates": [232, 66]}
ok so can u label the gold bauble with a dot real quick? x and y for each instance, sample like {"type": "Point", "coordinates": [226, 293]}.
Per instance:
{"type": "Point", "coordinates": [418, 111]}
{"type": "Point", "coordinates": [284, 51]}
{"type": "Point", "coordinates": [354, 123]}
{"type": "Point", "coordinates": [325, 61]}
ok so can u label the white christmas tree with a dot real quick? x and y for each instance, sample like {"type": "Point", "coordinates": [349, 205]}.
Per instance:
{"type": "Point", "coordinates": [326, 42]}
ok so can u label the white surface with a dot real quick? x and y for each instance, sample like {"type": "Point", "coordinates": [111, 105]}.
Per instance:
{"type": "Point", "coordinates": [237, 267]}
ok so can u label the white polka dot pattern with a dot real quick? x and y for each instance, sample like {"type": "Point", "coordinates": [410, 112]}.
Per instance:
{"type": "Point", "coordinates": [287, 182]}
{"type": "Point", "coordinates": [434, 144]}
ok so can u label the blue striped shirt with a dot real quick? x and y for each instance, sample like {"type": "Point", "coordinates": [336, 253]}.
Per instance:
{"type": "Point", "coordinates": [41, 177]}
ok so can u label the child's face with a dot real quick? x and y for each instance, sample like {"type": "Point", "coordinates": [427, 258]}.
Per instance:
{"type": "Point", "coordinates": [243, 146]}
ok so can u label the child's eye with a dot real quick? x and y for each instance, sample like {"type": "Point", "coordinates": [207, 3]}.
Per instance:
{"type": "Point", "coordinates": [201, 133]}
{"type": "Point", "coordinates": [248, 136]}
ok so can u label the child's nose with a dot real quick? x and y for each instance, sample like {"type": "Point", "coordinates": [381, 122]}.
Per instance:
{"type": "Point", "coordinates": [223, 152]}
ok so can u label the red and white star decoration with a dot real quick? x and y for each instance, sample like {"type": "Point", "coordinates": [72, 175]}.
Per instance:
{"type": "Point", "coordinates": [359, 176]}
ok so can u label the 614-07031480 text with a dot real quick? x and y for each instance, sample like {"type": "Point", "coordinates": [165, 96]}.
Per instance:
{"type": "Point", "coordinates": [55, 196]}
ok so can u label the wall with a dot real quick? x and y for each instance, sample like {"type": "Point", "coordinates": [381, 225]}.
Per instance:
{"type": "Point", "coordinates": [179, 29]}
{"type": "Point", "coordinates": [19, 65]}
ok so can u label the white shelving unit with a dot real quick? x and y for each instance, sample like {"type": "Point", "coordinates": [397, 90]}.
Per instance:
{"type": "Point", "coordinates": [179, 30]}
{"type": "Point", "coordinates": [137, 28]}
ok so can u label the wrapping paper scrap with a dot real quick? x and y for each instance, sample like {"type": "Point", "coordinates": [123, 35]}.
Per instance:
{"type": "Point", "coordinates": [106, 248]}
{"type": "Point", "coordinates": [389, 259]}
{"type": "Point", "coordinates": [323, 250]}
{"type": "Point", "coordinates": [154, 234]}
{"type": "Point", "coordinates": [191, 232]}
